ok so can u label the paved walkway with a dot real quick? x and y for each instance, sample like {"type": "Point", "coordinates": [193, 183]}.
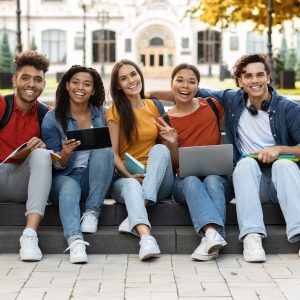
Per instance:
{"type": "Point", "coordinates": [169, 277]}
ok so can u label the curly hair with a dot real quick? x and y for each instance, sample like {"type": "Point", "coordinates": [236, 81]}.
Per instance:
{"type": "Point", "coordinates": [32, 58]}
{"type": "Point", "coordinates": [241, 63]}
{"type": "Point", "coordinates": [123, 105]}
{"type": "Point", "coordinates": [62, 104]}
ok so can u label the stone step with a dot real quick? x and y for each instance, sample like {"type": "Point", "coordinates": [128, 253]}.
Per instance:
{"type": "Point", "coordinates": [171, 239]}
{"type": "Point", "coordinates": [163, 214]}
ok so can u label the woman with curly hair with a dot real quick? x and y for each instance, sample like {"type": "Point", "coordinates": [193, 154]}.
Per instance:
{"type": "Point", "coordinates": [78, 174]}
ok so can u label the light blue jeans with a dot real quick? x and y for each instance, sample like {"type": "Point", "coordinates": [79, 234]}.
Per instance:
{"type": "Point", "coordinates": [156, 185]}
{"type": "Point", "coordinates": [255, 184]}
{"type": "Point", "coordinates": [206, 200]}
{"type": "Point", "coordinates": [91, 183]}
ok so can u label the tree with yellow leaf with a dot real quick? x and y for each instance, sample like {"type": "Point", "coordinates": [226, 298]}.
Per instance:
{"type": "Point", "coordinates": [226, 12]}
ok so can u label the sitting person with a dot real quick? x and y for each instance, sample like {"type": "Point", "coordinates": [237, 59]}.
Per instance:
{"type": "Point", "coordinates": [131, 124]}
{"type": "Point", "coordinates": [80, 174]}
{"type": "Point", "coordinates": [28, 181]}
{"type": "Point", "coordinates": [194, 123]}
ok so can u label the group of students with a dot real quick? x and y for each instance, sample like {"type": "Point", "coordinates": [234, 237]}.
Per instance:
{"type": "Point", "coordinates": [138, 126]}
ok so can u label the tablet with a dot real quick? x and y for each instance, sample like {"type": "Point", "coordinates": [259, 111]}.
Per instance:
{"type": "Point", "coordinates": [91, 138]}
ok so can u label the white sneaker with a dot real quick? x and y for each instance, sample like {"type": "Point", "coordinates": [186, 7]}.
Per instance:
{"type": "Point", "coordinates": [77, 251]}
{"type": "Point", "coordinates": [214, 241]}
{"type": "Point", "coordinates": [201, 252]}
{"type": "Point", "coordinates": [30, 250]}
{"type": "Point", "coordinates": [253, 250]}
{"type": "Point", "coordinates": [148, 247]}
{"type": "Point", "coordinates": [89, 222]}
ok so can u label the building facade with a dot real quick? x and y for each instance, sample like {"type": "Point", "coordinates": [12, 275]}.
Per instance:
{"type": "Point", "coordinates": [157, 34]}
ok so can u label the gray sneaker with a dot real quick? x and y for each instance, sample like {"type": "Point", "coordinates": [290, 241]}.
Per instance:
{"type": "Point", "coordinates": [201, 252]}
{"type": "Point", "coordinates": [148, 247]}
{"type": "Point", "coordinates": [30, 250]}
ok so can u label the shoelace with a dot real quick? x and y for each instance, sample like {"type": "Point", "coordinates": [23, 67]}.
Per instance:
{"type": "Point", "coordinates": [254, 241]}
{"type": "Point", "coordinates": [75, 244]}
{"type": "Point", "coordinates": [88, 215]}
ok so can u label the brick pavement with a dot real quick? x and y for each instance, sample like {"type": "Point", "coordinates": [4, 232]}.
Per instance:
{"type": "Point", "coordinates": [168, 277]}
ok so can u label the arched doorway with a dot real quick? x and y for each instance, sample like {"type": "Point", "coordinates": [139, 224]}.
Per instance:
{"type": "Point", "coordinates": [156, 51]}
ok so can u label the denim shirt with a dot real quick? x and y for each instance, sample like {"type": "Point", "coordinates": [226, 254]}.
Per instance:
{"type": "Point", "coordinates": [53, 134]}
{"type": "Point", "coordinates": [284, 116]}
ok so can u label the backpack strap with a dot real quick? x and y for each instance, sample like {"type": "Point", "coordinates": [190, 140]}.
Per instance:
{"type": "Point", "coordinates": [9, 99]}
{"type": "Point", "coordinates": [161, 110]}
{"type": "Point", "coordinates": [42, 109]}
{"type": "Point", "coordinates": [214, 108]}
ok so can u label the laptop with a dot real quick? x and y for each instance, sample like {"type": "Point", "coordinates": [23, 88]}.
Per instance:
{"type": "Point", "coordinates": [206, 160]}
{"type": "Point", "coordinates": [91, 138]}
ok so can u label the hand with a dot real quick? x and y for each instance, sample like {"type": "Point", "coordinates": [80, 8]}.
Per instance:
{"type": "Point", "coordinates": [139, 177]}
{"type": "Point", "coordinates": [68, 146]}
{"type": "Point", "coordinates": [166, 132]}
{"type": "Point", "coordinates": [267, 155]}
{"type": "Point", "coordinates": [35, 143]}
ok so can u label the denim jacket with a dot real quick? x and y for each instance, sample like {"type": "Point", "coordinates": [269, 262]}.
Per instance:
{"type": "Point", "coordinates": [284, 116]}
{"type": "Point", "coordinates": [53, 134]}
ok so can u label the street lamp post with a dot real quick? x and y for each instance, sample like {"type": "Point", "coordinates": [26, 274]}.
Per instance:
{"type": "Point", "coordinates": [84, 33]}
{"type": "Point", "coordinates": [270, 23]}
{"type": "Point", "coordinates": [103, 17]}
{"type": "Point", "coordinates": [19, 43]}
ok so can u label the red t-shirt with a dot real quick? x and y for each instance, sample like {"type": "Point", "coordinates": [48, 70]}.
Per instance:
{"type": "Point", "coordinates": [19, 130]}
{"type": "Point", "coordinates": [199, 128]}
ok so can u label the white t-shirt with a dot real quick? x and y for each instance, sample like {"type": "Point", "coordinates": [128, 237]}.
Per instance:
{"type": "Point", "coordinates": [255, 131]}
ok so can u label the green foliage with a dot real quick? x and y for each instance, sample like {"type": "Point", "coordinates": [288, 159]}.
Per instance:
{"type": "Point", "coordinates": [33, 46]}
{"type": "Point", "coordinates": [283, 49]}
{"type": "Point", "coordinates": [291, 60]}
{"type": "Point", "coordinates": [278, 68]}
{"type": "Point", "coordinates": [298, 70]}
{"type": "Point", "coordinates": [6, 61]}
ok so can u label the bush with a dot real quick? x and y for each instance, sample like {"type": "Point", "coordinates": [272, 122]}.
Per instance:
{"type": "Point", "coordinates": [6, 61]}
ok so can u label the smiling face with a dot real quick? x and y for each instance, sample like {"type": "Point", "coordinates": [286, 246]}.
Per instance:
{"type": "Point", "coordinates": [254, 81]}
{"type": "Point", "coordinates": [29, 83]}
{"type": "Point", "coordinates": [129, 81]}
{"type": "Point", "coordinates": [80, 88]}
{"type": "Point", "coordinates": [184, 85]}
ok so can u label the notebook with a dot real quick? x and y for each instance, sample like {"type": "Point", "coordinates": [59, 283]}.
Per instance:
{"type": "Point", "coordinates": [206, 160]}
{"type": "Point", "coordinates": [91, 138]}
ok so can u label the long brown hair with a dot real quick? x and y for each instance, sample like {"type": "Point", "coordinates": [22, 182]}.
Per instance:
{"type": "Point", "coordinates": [122, 103]}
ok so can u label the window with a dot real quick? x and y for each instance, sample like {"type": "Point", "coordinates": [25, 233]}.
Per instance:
{"type": "Point", "coordinates": [209, 46]}
{"type": "Point", "coordinates": [156, 42]}
{"type": "Point", "coordinates": [104, 51]}
{"type": "Point", "coordinates": [143, 60]}
{"type": "Point", "coordinates": [151, 60]}
{"type": "Point", "coordinates": [12, 39]}
{"type": "Point", "coordinates": [234, 43]}
{"type": "Point", "coordinates": [127, 45]}
{"type": "Point", "coordinates": [54, 45]}
{"type": "Point", "coordinates": [184, 43]}
{"type": "Point", "coordinates": [256, 42]}
{"type": "Point", "coordinates": [161, 60]}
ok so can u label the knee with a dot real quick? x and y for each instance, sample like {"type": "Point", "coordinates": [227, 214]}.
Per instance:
{"type": "Point", "coordinates": [131, 185]}
{"type": "Point", "coordinates": [283, 165]}
{"type": "Point", "coordinates": [212, 181]}
{"type": "Point", "coordinates": [245, 164]}
{"type": "Point", "coordinates": [66, 187]}
{"type": "Point", "coordinates": [160, 151]}
{"type": "Point", "coordinates": [103, 154]}
{"type": "Point", "coordinates": [41, 157]}
{"type": "Point", "coordinates": [192, 183]}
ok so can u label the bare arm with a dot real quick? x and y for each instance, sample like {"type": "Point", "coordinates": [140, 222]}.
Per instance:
{"type": "Point", "coordinates": [161, 95]}
{"type": "Point", "coordinates": [114, 131]}
{"type": "Point", "coordinates": [169, 138]}
{"type": "Point", "coordinates": [268, 155]}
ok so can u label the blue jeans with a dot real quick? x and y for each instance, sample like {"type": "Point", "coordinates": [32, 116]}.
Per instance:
{"type": "Point", "coordinates": [206, 200]}
{"type": "Point", "coordinates": [156, 185]}
{"type": "Point", "coordinates": [89, 183]}
{"type": "Point", "coordinates": [255, 184]}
